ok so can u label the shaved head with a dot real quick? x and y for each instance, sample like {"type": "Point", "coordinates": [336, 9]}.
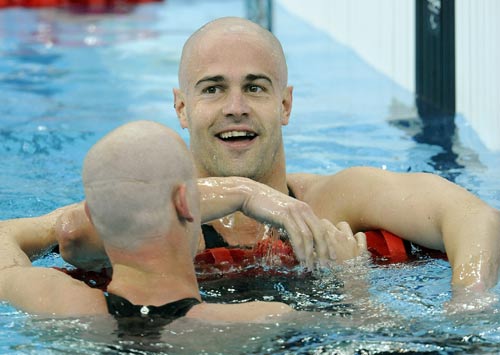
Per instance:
{"type": "Point", "coordinates": [129, 176]}
{"type": "Point", "coordinates": [219, 31]}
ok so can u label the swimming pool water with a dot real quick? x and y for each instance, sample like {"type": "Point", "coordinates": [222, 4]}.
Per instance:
{"type": "Point", "coordinates": [67, 79]}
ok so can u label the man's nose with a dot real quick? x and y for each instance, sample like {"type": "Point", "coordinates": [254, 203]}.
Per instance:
{"type": "Point", "coordinates": [236, 105]}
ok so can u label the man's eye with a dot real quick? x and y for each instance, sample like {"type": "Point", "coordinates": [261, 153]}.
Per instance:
{"type": "Point", "coordinates": [211, 90]}
{"type": "Point", "coordinates": [254, 88]}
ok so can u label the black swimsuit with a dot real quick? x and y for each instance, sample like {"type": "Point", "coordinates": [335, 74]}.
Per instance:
{"type": "Point", "coordinates": [121, 307]}
{"type": "Point", "coordinates": [214, 240]}
{"type": "Point", "coordinates": [136, 320]}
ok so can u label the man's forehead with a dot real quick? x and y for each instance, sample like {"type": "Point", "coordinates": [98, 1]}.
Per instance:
{"type": "Point", "coordinates": [236, 42]}
{"type": "Point", "coordinates": [226, 36]}
{"type": "Point", "coordinates": [235, 46]}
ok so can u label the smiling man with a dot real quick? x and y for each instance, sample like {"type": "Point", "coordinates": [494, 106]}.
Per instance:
{"type": "Point", "coordinates": [234, 100]}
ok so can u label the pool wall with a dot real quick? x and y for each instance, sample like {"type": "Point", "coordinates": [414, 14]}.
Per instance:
{"type": "Point", "coordinates": [383, 33]}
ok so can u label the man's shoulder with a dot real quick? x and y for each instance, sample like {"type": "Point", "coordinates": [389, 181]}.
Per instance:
{"type": "Point", "coordinates": [305, 181]}
{"type": "Point", "coordinates": [300, 183]}
{"type": "Point", "coordinates": [312, 188]}
{"type": "Point", "coordinates": [309, 180]}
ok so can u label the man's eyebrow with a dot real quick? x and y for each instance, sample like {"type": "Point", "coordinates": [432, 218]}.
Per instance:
{"type": "Point", "coordinates": [215, 78]}
{"type": "Point", "coordinates": [253, 77]}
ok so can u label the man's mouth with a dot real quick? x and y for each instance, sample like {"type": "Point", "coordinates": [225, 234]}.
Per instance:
{"type": "Point", "coordinates": [236, 136]}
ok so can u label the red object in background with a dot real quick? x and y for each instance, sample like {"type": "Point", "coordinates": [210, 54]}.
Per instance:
{"type": "Point", "coordinates": [100, 5]}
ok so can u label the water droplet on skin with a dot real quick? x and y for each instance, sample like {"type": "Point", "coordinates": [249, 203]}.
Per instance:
{"type": "Point", "coordinates": [228, 221]}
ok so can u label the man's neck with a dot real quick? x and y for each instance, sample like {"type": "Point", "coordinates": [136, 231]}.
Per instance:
{"type": "Point", "coordinates": [155, 274]}
{"type": "Point", "coordinates": [275, 177]}
{"type": "Point", "coordinates": [276, 181]}
{"type": "Point", "coordinates": [156, 289]}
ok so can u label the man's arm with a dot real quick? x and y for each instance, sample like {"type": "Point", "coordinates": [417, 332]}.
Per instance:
{"type": "Point", "coordinates": [47, 291]}
{"type": "Point", "coordinates": [34, 289]}
{"type": "Point", "coordinates": [248, 312]}
{"type": "Point", "coordinates": [312, 238]}
{"type": "Point", "coordinates": [24, 239]}
{"type": "Point", "coordinates": [422, 208]}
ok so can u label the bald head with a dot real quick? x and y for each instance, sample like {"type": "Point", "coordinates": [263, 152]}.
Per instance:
{"type": "Point", "coordinates": [129, 176]}
{"type": "Point", "coordinates": [222, 30]}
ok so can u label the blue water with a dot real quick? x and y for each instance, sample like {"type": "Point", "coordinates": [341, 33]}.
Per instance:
{"type": "Point", "coordinates": [67, 79]}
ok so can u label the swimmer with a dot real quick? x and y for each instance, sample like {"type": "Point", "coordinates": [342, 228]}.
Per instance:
{"type": "Point", "coordinates": [235, 113]}
{"type": "Point", "coordinates": [144, 204]}
{"type": "Point", "coordinates": [234, 99]}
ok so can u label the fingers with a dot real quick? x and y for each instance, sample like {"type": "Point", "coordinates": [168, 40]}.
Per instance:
{"type": "Point", "coordinates": [330, 239]}
{"type": "Point", "coordinates": [341, 241]}
{"type": "Point", "coordinates": [301, 236]}
{"type": "Point", "coordinates": [320, 236]}
{"type": "Point", "coordinates": [362, 243]}
{"type": "Point", "coordinates": [327, 241]}
{"type": "Point", "coordinates": [342, 244]}
{"type": "Point", "coordinates": [309, 235]}
{"type": "Point", "coordinates": [312, 239]}
{"type": "Point", "coordinates": [319, 240]}
{"type": "Point", "coordinates": [317, 237]}
{"type": "Point", "coordinates": [345, 228]}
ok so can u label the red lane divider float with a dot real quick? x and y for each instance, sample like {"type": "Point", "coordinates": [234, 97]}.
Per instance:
{"type": "Point", "coordinates": [270, 257]}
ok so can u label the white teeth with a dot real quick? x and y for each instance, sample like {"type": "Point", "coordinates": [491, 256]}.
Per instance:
{"type": "Point", "coordinates": [232, 134]}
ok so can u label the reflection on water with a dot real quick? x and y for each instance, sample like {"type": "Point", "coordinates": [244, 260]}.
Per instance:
{"type": "Point", "coordinates": [303, 290]}
{"type": "Point", "coordinates": [449, 148]}
{"type": "Point", "coordinates": [436, 130]}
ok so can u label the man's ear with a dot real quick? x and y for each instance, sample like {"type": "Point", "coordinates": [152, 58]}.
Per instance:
{"type": "Point", "coordinates": [180, 107]}
{"type": "Point", "coordinates": [286, 105]}
{"type": "Point", "coordinates": [181, 204]}
{"type": "Point", "coordinates": [87, 211]}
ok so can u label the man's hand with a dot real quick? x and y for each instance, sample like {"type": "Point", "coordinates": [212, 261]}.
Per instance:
{"type": "Point", "coordinates": [78, 241]}
{"type": "Point", "coordinates": [340, 243]}
{"type": "Point", "coordinates": [312, 239]}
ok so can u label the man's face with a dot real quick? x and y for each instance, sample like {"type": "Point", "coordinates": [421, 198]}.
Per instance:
{"type": "Point", "coordinates": [234, 102]}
